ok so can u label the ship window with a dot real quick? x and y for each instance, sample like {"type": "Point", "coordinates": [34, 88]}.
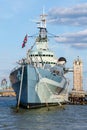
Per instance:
{"type": "Point", "coordinates": [48, 55]}
{"type": "Point", "coordinates": [47, 62]}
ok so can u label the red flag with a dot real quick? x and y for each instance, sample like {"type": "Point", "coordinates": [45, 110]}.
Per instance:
{"type": "Point", "coordinates": [24, 41]}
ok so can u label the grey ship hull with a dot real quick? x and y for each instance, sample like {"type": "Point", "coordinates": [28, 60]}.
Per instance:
{"type": "Point", "coordinates": [39, 87]}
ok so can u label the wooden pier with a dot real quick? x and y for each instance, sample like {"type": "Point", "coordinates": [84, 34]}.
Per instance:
{"type": "Point", "coordinates": [78, 98]}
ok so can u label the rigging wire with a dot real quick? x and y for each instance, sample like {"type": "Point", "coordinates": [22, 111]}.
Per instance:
{"type": "Point", "coordinates": [50, 35]}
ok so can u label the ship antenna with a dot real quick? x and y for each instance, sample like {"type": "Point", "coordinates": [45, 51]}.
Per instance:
{"type": "Point", "coordinates": [42, 22]}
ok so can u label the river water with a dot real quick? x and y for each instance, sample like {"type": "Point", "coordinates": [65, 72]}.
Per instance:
{"type": "Point", "coordinates": [73, 117]}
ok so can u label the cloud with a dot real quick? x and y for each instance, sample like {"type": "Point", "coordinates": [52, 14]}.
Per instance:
{"type": "Point", "coordinates": [79, 46]}
{"type": "Point", "coordinates": [77, 39]}
{"type": "Point", "coordinates": [69, 16]}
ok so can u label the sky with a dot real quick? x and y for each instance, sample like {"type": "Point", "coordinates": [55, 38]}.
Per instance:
{"type": "Point", "coordinates": [66, 19]}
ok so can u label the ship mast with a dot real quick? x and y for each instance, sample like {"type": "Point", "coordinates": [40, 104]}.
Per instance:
{"type": "Point", "coordinates": [42, 40]}
{"type": "Point", "coordinates": [42, 22]}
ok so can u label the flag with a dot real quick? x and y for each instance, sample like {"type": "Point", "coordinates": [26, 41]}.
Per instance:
{"type": "Point", "coordinates": [24, 41]}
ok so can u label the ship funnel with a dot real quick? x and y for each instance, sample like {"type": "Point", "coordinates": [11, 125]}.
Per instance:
{"type": "Point", "coordinates": [61, 60]}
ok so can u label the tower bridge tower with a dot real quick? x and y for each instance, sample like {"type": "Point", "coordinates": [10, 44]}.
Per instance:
{"type": "Point", "coordinates": [77, 75]}
{"type": "Point", "coordinates": [77, 78]}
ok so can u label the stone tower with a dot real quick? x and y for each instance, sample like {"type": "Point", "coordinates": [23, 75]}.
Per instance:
{"type": "Point", "coordinates": [77, 77]}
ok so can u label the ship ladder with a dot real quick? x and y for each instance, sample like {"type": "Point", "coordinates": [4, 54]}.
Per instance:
{"type": "Point", "coordinates": [18, 103]}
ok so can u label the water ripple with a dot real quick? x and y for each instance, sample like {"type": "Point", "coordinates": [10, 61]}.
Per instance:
{"type": "Point", "coordinates": [73, 117]}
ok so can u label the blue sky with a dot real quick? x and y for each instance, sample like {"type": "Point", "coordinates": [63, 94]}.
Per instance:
{"type": "Point", "coordinates": [66, 18]}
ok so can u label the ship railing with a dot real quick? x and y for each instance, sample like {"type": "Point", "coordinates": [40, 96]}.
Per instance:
{"type": "Point", "coordinates": [14, 69]}
{"type": "Point", "coordinates": [22, 62]}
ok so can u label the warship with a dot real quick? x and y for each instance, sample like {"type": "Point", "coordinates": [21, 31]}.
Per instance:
{"type": "Point", "coordinates": [39, 79]}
